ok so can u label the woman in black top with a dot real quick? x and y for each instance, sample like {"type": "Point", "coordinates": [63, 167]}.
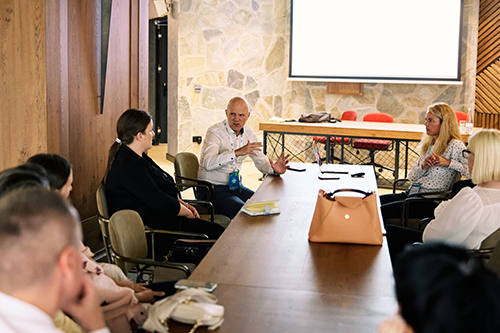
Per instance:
{"type": "Point", "coordinates": [134, 181]}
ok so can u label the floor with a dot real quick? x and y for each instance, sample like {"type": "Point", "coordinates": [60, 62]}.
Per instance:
{"type": "Point", "coordinates": [251, 176]}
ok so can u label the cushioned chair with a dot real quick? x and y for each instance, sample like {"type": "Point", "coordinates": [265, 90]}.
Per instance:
{"type": "Point", "coordinates": [129, 248]}
{"type": "Point", "coordinates": [186, 176]}
{"type": "Point", "coordinates": [487, 248]}
{"type": "Point", "coordinates": [103, 218]}
{"type": "Point", "coordinates": [347, 115]}
{"type": "Point", "coordinates": [461, 116]}
{"type": "Point", "coordinates": [375, 145]}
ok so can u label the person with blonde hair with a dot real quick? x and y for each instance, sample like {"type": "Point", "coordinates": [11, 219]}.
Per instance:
{"type": "Point", "coordinates": [474, 213]}
{"type": "Point", "coordinates": [440, 159]}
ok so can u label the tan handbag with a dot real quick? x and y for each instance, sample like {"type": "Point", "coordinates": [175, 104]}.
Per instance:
{"type": "Point", "coordinates": [346, 219]}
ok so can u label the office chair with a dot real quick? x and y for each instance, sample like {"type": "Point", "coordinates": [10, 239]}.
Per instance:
{"type": "Point", "coordinates": [347, 115]}
{"type": "Point", "coordinates": [129, 248]}
{"type": "Point", "coordinates": [374, 145]}
{"type": "Point", "coordinates": [461, 116]}
{"type": "Point", "coordinates": [186, 176]}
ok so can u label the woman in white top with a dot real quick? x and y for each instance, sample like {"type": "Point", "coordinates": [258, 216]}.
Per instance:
{"type": "Point", "coordinates": [473, 214]}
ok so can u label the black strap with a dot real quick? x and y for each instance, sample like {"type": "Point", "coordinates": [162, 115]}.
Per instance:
{"type": "Point", "coordinates": [331, 194]}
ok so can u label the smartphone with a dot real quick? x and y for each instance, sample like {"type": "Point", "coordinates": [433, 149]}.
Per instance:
{"type": "Point", "coordinates": [186, 284]}
{"type": "Point", "coordinates": [328, 178]}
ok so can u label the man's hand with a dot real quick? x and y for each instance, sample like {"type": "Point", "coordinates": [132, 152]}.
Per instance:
{"type": "Point", "coordinates": [281, 164]}
{"type": "Point", "coordinates": [85, 310]}
{"type": "Point", "coordinates": [249, 148]}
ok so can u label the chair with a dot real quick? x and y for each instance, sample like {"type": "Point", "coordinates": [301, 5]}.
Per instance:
{"type": "Point", "coordinates": [103, 218]}
{"type": "Point", "coordinates": [374, 145]}
{"type": "Point", "coordinates": [494, 260]}
{"type": "Point", "coordinates": [129, 247]}
{"type": "Point", "coordinates": [418, 223]}
{"type": "Point", "coordinates": [347, 115]}
{"type": "Point", "coordinates": [186, 176]}
{"type": "Point", "coordinates": [488, 246]}
{"type": "Point", "coordinates": [461, 116]}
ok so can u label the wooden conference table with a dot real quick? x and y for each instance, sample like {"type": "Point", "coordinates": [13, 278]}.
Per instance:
{"type": "Point", "coordinates": [351, 129]}
{"type": "Point", "coordinates": [272, 279]}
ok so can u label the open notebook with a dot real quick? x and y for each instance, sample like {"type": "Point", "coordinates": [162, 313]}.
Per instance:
{"type": "Point", "coordinates": [261, 208]}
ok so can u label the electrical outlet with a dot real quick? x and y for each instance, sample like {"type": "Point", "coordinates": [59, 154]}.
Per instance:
{"type": "Point", "coordinates": [197, 139]}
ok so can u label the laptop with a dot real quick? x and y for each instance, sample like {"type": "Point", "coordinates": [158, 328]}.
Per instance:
{"type": "Point", "coordinates": [327, 168]}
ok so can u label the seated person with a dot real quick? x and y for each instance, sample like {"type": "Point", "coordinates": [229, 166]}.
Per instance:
{"type": "Point", "coordinates": [443, 289]}
{"type": "Point", "coordinates": [225, 147]}
{"type": "Point", "coordinates": [120, 304]}
{"type": "Point", "coordinates": [474, 213]}
{"type": "Point", "coordinates": [38, 277]}
{"type": "Point", "coordinates": [440, 159]}
{"type": "Point", "coordinates": [134, 181]}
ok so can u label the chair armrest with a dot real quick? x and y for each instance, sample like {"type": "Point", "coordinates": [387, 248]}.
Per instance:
{"type": "Point", "coordinates": [204, 202]}
{"type": "Point", "coordinates": [444, 195]}
{"type": "Point", "coordinates": [197, 183]}
{"type": "Point", "coordinates": [406, 207]}
{"type": "Point", "coordinates": [423, 223]}
{"type": "Point", "coordinates": [179, 266]}
{"type": "Point", "coordinates": [482, 253]}
{"type": "Point", "coordinates": [395, 184]}
{"type": "Point", "coordinates": [177, 233]}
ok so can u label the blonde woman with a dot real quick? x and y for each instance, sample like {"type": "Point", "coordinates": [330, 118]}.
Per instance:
{"type": "Point", "coordinates": [474, 213]}
{"type": "Point", "coordinates": [440, 159]}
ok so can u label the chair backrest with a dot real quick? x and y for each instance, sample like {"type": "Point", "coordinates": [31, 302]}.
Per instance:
{"type": "Point", "coordinates": [491, 241]}
{"type": "Point", "coordinates": [461, 116]}
{"type": "Point", "coordinates": [349, 115]}
{"type": "Point", "coordinates": [186, 165]}
{"type": "Point", "coordinates": [378, 117]}
{"type": "Point", "coordinates": [494, 261]}
{"type": "Point", "coordinates": [102, 203]}
{"type": "Point", "coordinates": [128, 237]}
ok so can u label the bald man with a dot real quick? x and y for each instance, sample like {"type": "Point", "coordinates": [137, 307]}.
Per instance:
{"type": "Point", "coordinates": [225, 147]}
{"type": "Point", "coordinates": [40, 266]}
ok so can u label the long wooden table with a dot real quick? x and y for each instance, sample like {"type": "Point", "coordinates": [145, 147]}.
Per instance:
{"type": "Point", "coordinates": [272, 279]}
{"type": "Point", "coordinates": [399, 133]}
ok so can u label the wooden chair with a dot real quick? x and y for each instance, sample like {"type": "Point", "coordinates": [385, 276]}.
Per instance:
{"type": "Point", "coordinates": [186, 176]}
{"type": "Point", "coordinates": [129, 248]}
{"type": "Point", "coordinates": [103, 218]}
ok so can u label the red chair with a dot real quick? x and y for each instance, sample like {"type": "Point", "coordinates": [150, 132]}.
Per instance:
{"type": "Point", "coordinates": [374, 145]}
{"type": "Point", "coordinates": [461, 116]}
{"type": "Point", "coordinates": [347, 115]}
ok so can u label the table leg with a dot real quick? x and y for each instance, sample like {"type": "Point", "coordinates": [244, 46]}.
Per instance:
{"type": "Point", "coordinates": [396, 162]}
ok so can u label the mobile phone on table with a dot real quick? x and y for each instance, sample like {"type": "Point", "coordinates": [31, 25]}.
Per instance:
{"type": "Point", "coordinates": [328, 177]}
{"type": "Point", "coordinates": [187, 284]}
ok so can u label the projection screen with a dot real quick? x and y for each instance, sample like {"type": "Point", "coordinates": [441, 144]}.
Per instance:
{"type": "Point", "coordinates": [376, 40]}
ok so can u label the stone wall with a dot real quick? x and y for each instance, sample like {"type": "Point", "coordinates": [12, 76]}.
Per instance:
{"type": "Point", "coordinates": [240, 48]}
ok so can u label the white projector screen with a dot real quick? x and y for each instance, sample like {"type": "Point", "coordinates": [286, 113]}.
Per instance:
{"type": "Point", "coordinates": [376, 40]}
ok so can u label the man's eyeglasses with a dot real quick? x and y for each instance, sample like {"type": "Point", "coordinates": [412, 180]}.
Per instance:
{"type": "Point", "coordinates": [466, 152]}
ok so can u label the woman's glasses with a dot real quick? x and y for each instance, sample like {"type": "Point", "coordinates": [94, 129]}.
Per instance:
{"type": "Point", "coordinates": [466, 153]}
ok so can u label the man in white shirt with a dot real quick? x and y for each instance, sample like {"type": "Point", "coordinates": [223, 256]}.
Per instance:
{"type": "Point", "coordinates": [40, 267]}
{"type": "Point", "coordinates": [225, 147]}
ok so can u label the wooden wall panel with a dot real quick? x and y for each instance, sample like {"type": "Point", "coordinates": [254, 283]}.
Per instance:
{"type": "Point", "coordinates": [487, 106]}
{"type": "Point", "coordinates": [23, 123]}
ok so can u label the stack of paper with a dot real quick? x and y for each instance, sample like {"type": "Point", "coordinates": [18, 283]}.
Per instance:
{"type": "Point", "coordinates": [261, 208]}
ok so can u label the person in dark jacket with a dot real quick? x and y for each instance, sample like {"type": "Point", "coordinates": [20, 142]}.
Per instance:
{"type": "Point", "coordinates": [134, 181]}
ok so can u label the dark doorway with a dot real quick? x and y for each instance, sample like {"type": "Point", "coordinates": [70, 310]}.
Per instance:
{"type": "Point", "coordinates": [158, 77]}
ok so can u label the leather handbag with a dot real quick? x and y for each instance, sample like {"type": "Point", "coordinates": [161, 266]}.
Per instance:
{"type": "Point", "coordinates": [346, 219]}
{"type": "Point", "coordinates": [189, 250]}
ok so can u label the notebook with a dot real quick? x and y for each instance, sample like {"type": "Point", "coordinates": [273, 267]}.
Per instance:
{"type": "Point", "coordinates": [261, 208]}
{"type": "Point", "coordinates": [328, 168]}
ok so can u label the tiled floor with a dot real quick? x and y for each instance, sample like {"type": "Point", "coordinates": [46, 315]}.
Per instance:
{"type": "Point", "coordinates": [249, 173]}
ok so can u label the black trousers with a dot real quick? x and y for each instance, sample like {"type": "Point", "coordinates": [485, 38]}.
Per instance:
{"type": "Point", "coordinates": [398, 238]}
{"type": "Point", "coordinates": [392, 206]}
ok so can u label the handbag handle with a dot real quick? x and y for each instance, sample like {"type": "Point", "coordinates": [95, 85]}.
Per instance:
{"type": "Point", "coordinates": [331, 194]}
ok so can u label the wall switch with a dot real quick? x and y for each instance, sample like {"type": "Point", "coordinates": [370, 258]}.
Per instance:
{"type": "Point", "coordinates": [197, 88]}
{"type": "Point", "coordinates": [197, 139]}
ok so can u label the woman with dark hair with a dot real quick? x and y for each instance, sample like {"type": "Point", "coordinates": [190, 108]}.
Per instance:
{"type": "Point", "coordinates": [59, 172]}
{"type": "Point", "coordinates": [444, 289]}
{"type": "Point", "coordinates": [134, 181]}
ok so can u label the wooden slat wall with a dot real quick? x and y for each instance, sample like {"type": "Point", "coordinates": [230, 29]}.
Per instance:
{"type": "Point", "coordinates": [488, 66]}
